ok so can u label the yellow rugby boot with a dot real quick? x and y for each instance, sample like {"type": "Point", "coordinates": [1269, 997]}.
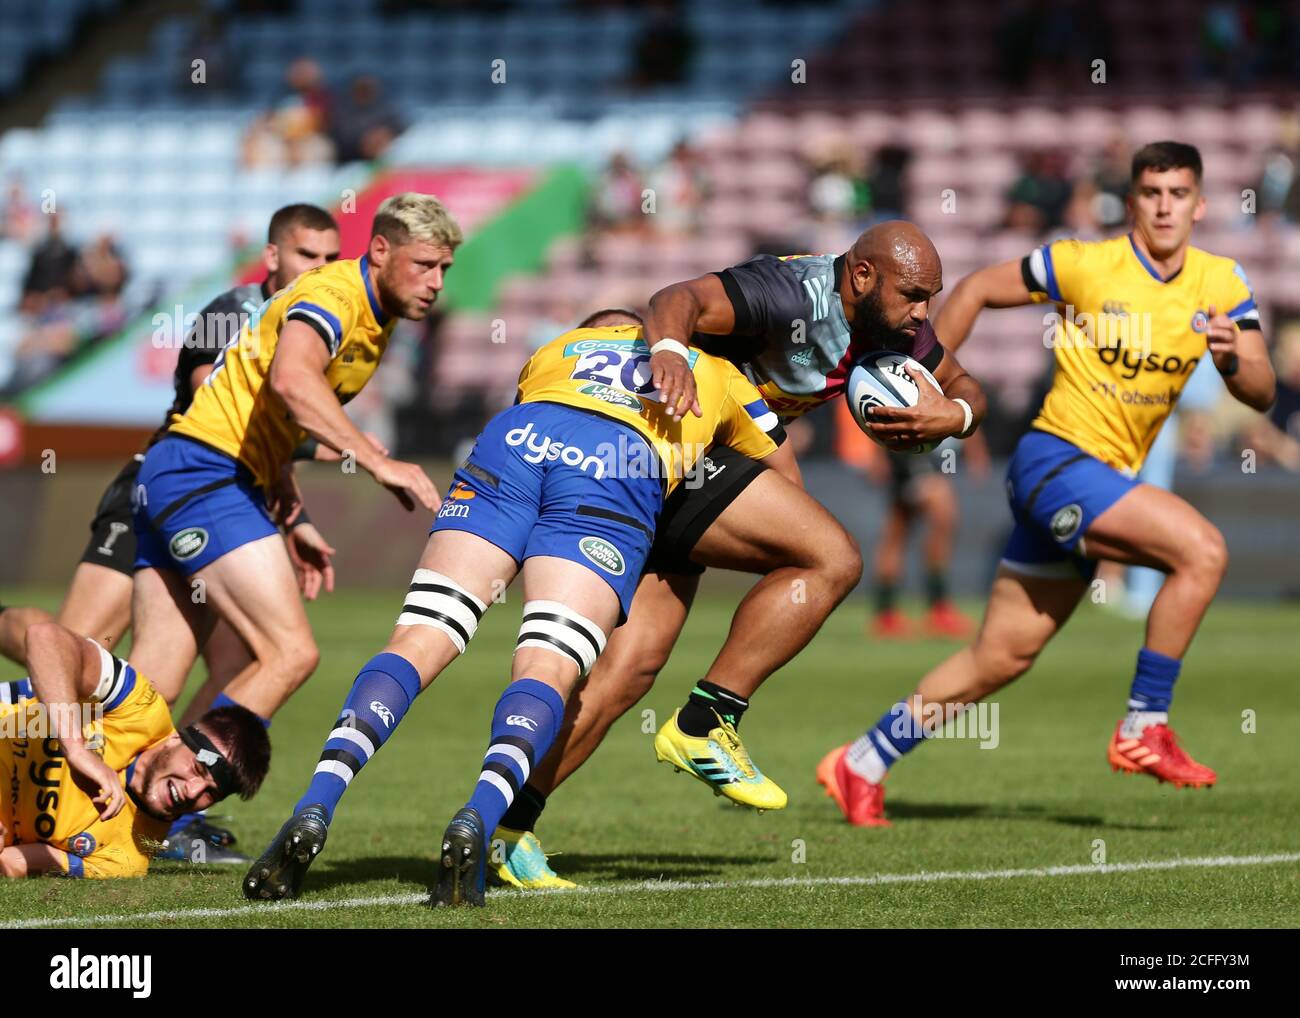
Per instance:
{"type": "Point", "coordinates": [516, 858]}
{"type": "Point", "coordinates": [721, 761]}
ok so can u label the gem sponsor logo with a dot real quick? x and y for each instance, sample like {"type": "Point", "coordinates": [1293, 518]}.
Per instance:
{"type": "Point", "coordinates": [603, 554]}
{"type": "Point", "coordinates": [75, 971]}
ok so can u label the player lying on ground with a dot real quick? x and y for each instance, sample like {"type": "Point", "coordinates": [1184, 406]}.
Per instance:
{"type": "Point", "coordinates": [98, 601]}
{"type": "Point", "coordinates": [202, 495]}
{"type": "Point", "coordinates": [795, 325]}
{"type": "Point", "coordinates": [1071, 481]}
{"type": "Point", "coordinates": [94, 799]}
{"type": "Point", "coordinates": [566, 487]}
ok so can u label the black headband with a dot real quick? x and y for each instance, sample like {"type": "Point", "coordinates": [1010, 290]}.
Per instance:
{"type": "Point", "coordinates": [212, 759]}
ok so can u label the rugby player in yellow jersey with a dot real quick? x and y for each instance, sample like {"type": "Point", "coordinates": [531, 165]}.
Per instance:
{"type": "Point", "coordinates": [92, 770]}
{"type": "Point", "coordinates": [1137, 313]}
{"type": "Point", "coordinates": [565, 487]}
{"type": "Point", "coordinates": [794, 326]}
{"type": "Point", "coordinates": [205, 493]}
{"type": "Point", "coordinates": [97, 604]}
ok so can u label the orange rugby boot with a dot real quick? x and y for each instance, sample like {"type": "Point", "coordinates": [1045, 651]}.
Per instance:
{"type": "Point", "coordinates": [1156, 752]}
{"type": "Point", "coordinates": [861, 801]}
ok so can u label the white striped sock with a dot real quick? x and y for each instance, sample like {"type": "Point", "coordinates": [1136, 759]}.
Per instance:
{"type": "Point", "coordinates": [865, 760]}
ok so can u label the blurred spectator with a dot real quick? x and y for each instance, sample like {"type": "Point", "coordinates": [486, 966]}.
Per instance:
{"type": "Point", "coordinates": [838, 191]}
{"type": "Point", "coordinates": [1276, 436]}
{"type": "Point", "coordinates": [363, 124]}
{"type": "Point", "coordinates": [680, 191]}
{"type": "Point", "coordinates": [1111, 185]}
{"type": "Point", "coordinates": [617, 197]}
{"type": "Point", "coordinates": [886, 191]}
{"type": "Point", "coordinates": [50, 273]}
{"type": "Point", "coordinates": [101, 271]}
{"type": "Point", "coordinates": [663, 51]}
{"type": "Point", "coordinates": [18, 220]}
{"type": "Point", "coordinates": [1038, 198]}
{"type": "Point", "coordinates": [293, 134]}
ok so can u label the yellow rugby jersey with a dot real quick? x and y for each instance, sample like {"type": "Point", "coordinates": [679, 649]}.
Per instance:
{"type": "Point", "coordinates": [234, 410]}
{"type": "Point", "coordinates": [40, 802]}
{"type": "Point", "coordinates": [607, 370]}
{"type": "Point", "coordinates": [1126, 340]}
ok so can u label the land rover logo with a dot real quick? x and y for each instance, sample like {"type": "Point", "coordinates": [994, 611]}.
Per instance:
{"type": "Point", "coordinates": [188, 543]}
{"type": "Point", "coordinates": [603, 554]}
{"type": "Point", "coordinates": [1065, 522]}
{"type": "Point", "coordinates": [606, 394]}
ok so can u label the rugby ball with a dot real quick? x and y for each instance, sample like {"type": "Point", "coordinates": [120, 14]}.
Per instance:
{"type": "Point", "coordinates": [877, 379]}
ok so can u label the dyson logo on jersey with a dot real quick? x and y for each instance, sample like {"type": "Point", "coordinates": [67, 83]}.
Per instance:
{"type": "Point", "coordinates": [542, 448]}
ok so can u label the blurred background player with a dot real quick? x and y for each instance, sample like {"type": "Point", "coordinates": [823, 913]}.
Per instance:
{"type": "Point", "coordinates": [207, 489]}
{"type": "Point", "coordinates": [920, 491]}
{"type": "Point", "coordinates": [98, 601]}
{"type": "Point", "coordinates": [1072, 483]}
{"type": "Point", "coordinates": [92, 770]}
{"type": "Point", "coordinates": [564, 488]}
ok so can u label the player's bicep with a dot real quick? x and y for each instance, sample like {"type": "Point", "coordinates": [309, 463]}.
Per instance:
{"type": "Point", "coordinates": [299, 350]}
{"type": "Point", "coordinates": [947, 369]}
{"type": "Point", "coordinates": [706, 296]}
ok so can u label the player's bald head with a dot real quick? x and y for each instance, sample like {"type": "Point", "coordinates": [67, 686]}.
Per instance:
{"type": "Point", "coordinates": [897, 248]}
{"type": "Point", "coordinates": [890, 273]}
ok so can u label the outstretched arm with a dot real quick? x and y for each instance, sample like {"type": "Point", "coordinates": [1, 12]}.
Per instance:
{"type": "Point", "coordinates": [997, 286]}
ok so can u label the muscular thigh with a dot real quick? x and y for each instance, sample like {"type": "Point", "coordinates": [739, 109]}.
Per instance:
{"type": "Point", "coordinates": [1147, 527]}
{"type": "Point", "coordinates": [1024, 612]}
{"type": "Point", "coordinates": [98, 603]}
{"type": "Point", "coordinates": [253, 589]}
{"type": "Point", "coordinates": [772, 523]}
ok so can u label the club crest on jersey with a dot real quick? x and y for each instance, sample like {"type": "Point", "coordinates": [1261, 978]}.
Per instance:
{"type": "Point", "coordinates": [188, 543]}
{"type": "Point", "coordinates": [603, 554]}
{"type": "Point", "coordinates": [82, 845]}
{"type": "Point", "coordinates": [1200, 321]}
{"type": "Point", "coordinates": [1065, 522]}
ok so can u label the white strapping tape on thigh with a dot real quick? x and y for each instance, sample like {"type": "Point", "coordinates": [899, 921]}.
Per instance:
{"type": "Point", "coordinates": [553, 626]}
{"type": "Point", "coordinates": [439, 601]}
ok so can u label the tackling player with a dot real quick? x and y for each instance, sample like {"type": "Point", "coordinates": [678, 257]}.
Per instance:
{"type": "Point", "coordinates": [565, 487]}
{"type": "Point", "coordinates": [1137, 314]}
{"type": "Point", "coordinates": [203, 493]}
{"type": "Point", "coordinates": [795, 326]}
{"type": "Point", "coordinates": [95, 799]}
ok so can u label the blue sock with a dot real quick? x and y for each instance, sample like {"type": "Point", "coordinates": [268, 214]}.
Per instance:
{"type": "Point", "coordinates": [526, 721]}
{"type": "Point", "coordinates": [223, 700]}
{"type": "Point", "coordinates": [1153, 685]}
{"type": "Point", "coordinates": [896, 733]}
{"type": "Point", "coordinates": [384, 690]}
{"type": "Point", "coordinates": [183, 821]}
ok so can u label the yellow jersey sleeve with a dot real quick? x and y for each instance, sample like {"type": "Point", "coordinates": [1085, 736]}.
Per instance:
{"type": "Point", "coordinates": [1052, 272]}
{"type": "Point", "coordinates": [746, 419]}
{"type": "Point", "coordinates": [1233, 291]}
{"type": "Point", "coordinates": [329, 309]}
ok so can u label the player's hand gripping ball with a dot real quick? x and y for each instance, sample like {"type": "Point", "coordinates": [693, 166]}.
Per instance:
{"type": "Point", "coordinates": [878, 379]}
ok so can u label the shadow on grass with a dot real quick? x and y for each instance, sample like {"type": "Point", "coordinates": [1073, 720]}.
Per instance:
{"type": "Point", "coordinates": [904, 810]}
{"type": "Point", "coordinates": [584, 868]}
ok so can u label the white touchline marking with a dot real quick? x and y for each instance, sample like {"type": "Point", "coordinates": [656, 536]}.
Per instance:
{"type": "Point", "coordinates": [938, 876]}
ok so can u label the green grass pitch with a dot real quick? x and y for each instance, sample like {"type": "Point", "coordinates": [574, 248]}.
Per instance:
{"type": "Point", "coordinates": [632, 832]}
